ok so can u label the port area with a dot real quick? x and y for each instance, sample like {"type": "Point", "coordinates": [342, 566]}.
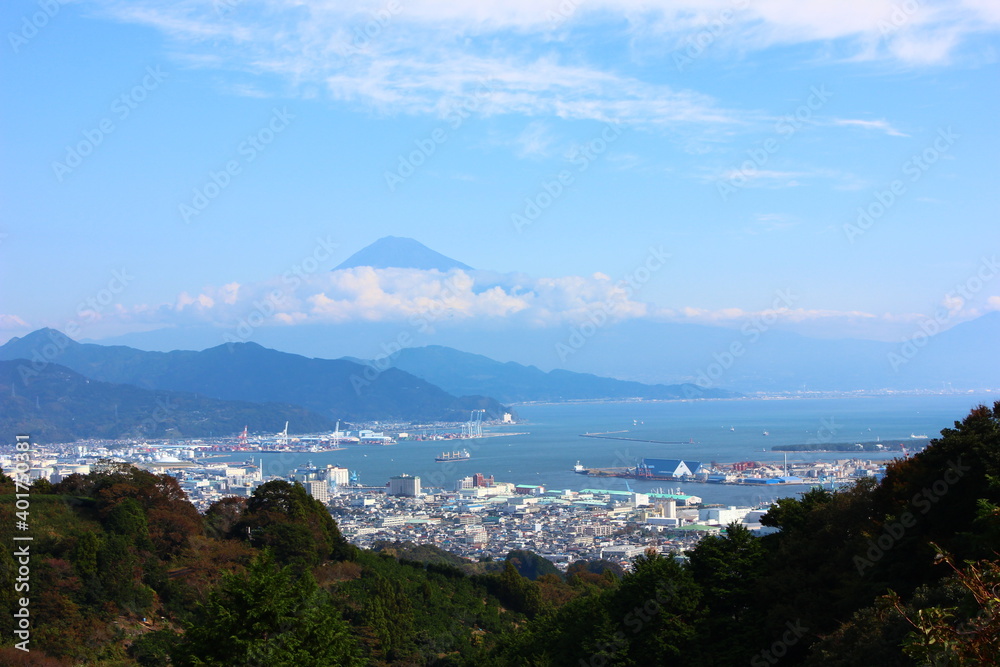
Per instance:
{"type": "Point", "coordinates": [630, 473]}
{"type": "Point", "coordinates": [751, 473]}
{"type": "Point", "coordinates": [437, 437]}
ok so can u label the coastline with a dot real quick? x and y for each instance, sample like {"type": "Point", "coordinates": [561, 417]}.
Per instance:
{"type": "Point", "coordinates": [767, 396]}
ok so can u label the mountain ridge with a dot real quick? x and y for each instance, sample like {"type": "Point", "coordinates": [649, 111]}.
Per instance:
{"type": "Point", "coordinates": [511, 382]}
{"type": "Point", "coordinates": [402, 253]}
{"type": "Point", "coordinates": [55, 403]}
{"type": "Point", "coordinates": [334, 388]}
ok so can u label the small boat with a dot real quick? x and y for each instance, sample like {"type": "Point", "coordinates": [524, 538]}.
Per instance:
{"type": "Point", "coordinates": [766, 433]}
{"type": "Point", "coordinates": [447, 457]}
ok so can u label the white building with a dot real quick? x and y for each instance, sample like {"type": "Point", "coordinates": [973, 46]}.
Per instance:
{"type": "Point", "coordinates": [474, 534]}
{"type": "Point", "coordinates": [622, 552]}
{"type": "Point", "coordinates": [723, 516]}
{"type": "Point", "coordinates": [369, 437]}
{"type": "Point", "coordinates": [672, 522]}
{"type": "Point", "coordinates": [318, 489]}
{"type": "Point", "coordinates": [404, 485]}
{"type": "Point", "coordinates": [337, 476]}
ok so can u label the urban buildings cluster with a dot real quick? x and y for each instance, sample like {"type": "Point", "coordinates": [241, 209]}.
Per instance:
{"type": "Point", "coordinates": [479, 517]}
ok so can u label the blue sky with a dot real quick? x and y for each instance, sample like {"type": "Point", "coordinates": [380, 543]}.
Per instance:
{"type": "Point", "coordinates": [168, 162]}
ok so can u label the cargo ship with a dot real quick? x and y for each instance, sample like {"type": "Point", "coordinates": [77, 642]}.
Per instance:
{"type": "Point", "coordinates": [447, 457]}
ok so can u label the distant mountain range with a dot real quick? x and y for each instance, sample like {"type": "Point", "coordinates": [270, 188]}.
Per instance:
{"type": "Point", "coordinates": [401, 253]}
{"type": "Point", "coordinates": [460, 373]}
{"type": "Point", "coordinates": [57, 386]}
{"type": "Point", "coordinates": [962, 358]}
{"type": "Point", "coordinates": [56, 404]}
{"type": "Point", "coordinates": [335, 389]}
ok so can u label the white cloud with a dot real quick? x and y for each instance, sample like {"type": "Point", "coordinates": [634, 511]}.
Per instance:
{"type": "Point", "coordinates": [534, 141]}
{"type": "Point", "coordinates": [424, 56]}
{"type": "Point", "coordinates": [201, 302]}
{"type": "Point", "coordinates": [365, 294]}
{"type": "Point", "coordinates": [881, 125]}
{"type": "Point", "coordinates": [767, 177]}
{"type": "Point", "coordinates": [12, 322]}
{"type": "Point", "coordinates": [953, 304]}
{"type": "Point", "coordinates": [431, 300]}
{"type": "Point", "coordinates": [771, 222]}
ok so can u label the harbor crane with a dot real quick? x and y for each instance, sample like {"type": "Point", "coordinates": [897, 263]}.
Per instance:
{"type": "Point", "coordinates": [282, 438]}
{"type": "Point", "coordinates": [474, 427]}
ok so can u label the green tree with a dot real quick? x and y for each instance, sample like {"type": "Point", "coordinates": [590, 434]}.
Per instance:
{"type": "Point", "coordinates": [128, 519]}
{"type": "Point", "coordinates": [222, 516]}
{"type": "Point", "coordinates": [530, 565]}
{"type": "Point", "coordinates": [648, 618]}
{"type": "Point", "coordinates": [951, 635]}
{"type": "Point", "coordinates": [727, 569]}
{"type": "Point", "coordinates": [267, 616]}
{"type": "Point", "coordinates": [153, 648]}
{"type": "Point", "coordinates": [657, 607]}
{"type": "Point", "coordinates": [296, 526]}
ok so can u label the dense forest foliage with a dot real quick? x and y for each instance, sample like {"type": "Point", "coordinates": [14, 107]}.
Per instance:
{"type": "Point", "coordinates": [124, 571]}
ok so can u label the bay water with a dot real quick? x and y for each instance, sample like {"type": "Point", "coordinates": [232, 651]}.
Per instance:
{"type": "Point", "coordinates": [725, 431]}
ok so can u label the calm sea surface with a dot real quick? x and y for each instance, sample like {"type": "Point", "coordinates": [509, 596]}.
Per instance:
{"type": "Point", "coordinates": [723, 431]}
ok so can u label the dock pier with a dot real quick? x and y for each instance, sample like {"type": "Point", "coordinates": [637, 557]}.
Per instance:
{"type": "Point", "coordinates": [607, 436]}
